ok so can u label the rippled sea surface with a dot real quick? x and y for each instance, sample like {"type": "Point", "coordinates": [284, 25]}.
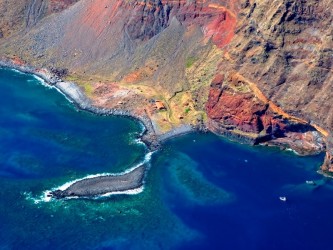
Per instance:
{"type": "Point", "coordinates": [201, 192]}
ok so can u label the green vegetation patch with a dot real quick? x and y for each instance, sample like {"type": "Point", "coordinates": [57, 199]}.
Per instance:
{"type": "Point", "coordinates": [190, 61]}
{"type": "Point", "coordinates": [187, 110]}
{"type": "Point", "coordinates": [87, 87]}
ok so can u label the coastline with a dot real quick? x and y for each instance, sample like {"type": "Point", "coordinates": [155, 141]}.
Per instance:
{"type": "Point", "coordinates": [132, 180]}
{"type": "Point", "coordinates": [149, 136]}
{"type": "Point", "coordinates": [77, 96]}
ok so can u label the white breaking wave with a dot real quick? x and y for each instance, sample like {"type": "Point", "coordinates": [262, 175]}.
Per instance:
{"type": "Point", "coordinates": [42, 81]}
{"type": "Point", "coordinates": [66, 96]}
{"type": "Point", "coordinates": [139, 142]}
{"type": "Point", "coordinates": [37, 200]}
{"type": "Point", "coordinates": [49, 86]}
{"type": "Point", "coordinates": [292, 150]}
{"type": "Point", "coordinates": [17, 71]}
{"type": "Point", "coordinates": [106, 195]}
{"type": "Point", "coordinates": [131, 192]}
{"type": "Point", "coordinates": [46, 198]}
{"type": "Point", "coordinates": [135, 139]}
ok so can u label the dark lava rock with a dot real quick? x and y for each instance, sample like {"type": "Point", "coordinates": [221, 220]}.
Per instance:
{"type": "Point", "coordinates": [92, 187]}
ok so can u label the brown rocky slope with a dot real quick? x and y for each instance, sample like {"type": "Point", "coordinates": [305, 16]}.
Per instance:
{"type": "Point", "coordinates": [256, 70]}
{"type": "Point", "coordinates": [285, 50]}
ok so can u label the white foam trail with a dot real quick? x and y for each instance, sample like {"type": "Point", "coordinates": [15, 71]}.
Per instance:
{"type": "Point", "coordinates": [143, 128]}
{"type": "Point", "coordinates": [38, 200]}
{"type": "Point", "coordinates": [17, 71]}
{"type": "Point", "coordinates": [136, 138]}
{"type": "Point", "coordinates": [66, 96]}
{"type": "Point", "coordinates": [45, 84]}
{"type": "Point", "coordinates": [42, 81]}
{"type": "Point", "coordinates": [139, 142]}
{"type": "Point", "coordinates": [106, 195]}
{"type": "Point", "coordinates": [292, 150]}
{"type": "Point", "coordinates": [49, 86]}
{"type": "Point", "coordinates": [130, 192]}
{"type": "Point", "coordinates": [148, 156]}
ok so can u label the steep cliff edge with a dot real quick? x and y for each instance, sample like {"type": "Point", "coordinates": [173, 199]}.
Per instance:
{"type": "Point", "coordinates": [285, 48]}
{"type": "Point", "coordinates": [256, 70]}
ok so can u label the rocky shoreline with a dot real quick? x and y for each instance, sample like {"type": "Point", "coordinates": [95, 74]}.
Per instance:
{"type": "Point", "coordinates": [76, 95]}
{"type": "Point", "coordinates": [149, 136]}
{"type": "Point", "coordinates": [112, 183]}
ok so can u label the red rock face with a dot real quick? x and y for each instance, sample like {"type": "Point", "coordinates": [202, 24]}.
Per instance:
{"type": "Point", "coordinates": [237, 110]}
{"type": "Point", "coordinates": [145, 19]}
{"type": "Point", "coordinates": [217, 21]}
{"type": "Point", "coordinates": [236, 107]}
{"type": "Point", "coordinates": [241, 111]}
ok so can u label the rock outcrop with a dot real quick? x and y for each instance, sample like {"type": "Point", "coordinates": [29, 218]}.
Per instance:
{"type": "Point", "coordinates": [237, 108]}
{"type": "Point", "coordinates": [103, 185]}
{"type": "Point", "coordinates": [285, 48]}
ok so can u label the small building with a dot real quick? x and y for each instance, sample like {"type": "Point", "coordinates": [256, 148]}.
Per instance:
{"type": "Point", "coordinates": [160, 105]}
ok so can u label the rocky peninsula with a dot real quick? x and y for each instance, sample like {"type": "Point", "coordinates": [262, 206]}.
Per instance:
{"type": "Point", "coordinates": [103, 185]}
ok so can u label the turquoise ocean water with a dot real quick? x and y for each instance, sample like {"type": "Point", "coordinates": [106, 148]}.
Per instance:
{"type": "Point", "coordinates": [201, 192]}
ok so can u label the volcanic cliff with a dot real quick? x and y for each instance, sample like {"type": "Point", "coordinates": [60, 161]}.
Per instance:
{"type": "Point", "coordinates": [255, 70]}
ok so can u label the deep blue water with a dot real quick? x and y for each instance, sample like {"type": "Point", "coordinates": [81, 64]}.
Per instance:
{"type": "Point", "coordinates": [201, 192]}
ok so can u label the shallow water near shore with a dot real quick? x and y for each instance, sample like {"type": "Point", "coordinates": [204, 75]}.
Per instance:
{"type": "Point", "coordinates": [201, 191]}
